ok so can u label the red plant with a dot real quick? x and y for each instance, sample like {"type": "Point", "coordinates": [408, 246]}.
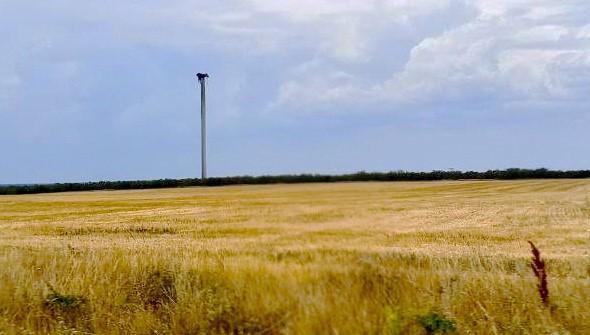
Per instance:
{"type": "Point", "coordinates": [538, 266]}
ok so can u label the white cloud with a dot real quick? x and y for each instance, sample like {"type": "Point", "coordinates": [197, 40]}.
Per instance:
{"type": "Point", "coordinates": [512, 50]}
{"type": "Point", "coordinates": [305, 10]}
{"type": "Point", "coordinates": [380, 51]}
{"type": "Point", "coordinates": [510, 55]}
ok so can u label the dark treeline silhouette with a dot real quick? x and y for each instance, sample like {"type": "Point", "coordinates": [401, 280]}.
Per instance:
{"type": "Point", "coordinates": [508, 174]}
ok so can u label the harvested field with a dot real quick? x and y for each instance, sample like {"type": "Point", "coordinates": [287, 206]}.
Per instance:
{"type": "Point", "coordinates": [346, 258]}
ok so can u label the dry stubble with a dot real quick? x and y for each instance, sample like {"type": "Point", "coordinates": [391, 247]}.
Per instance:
{"type": "Point", "coordinates": [346, 258]}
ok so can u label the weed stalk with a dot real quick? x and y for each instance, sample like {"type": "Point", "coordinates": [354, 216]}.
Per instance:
{"type": "Point", "coordinates": [540, 271]}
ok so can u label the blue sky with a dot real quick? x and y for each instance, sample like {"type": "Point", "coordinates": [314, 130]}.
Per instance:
{"type": "Point", "coordinates": [105, 90]}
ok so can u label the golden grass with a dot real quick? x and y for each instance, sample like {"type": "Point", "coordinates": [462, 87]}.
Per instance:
{"type": "Point", "coordinates": [350, 258]}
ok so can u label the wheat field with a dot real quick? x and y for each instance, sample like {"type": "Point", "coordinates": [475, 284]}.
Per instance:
{"type": "Point", "coordinates": [346, 258]}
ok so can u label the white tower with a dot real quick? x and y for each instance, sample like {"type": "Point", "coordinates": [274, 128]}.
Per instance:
{"type": "Point", "coordinates": [203, 82]}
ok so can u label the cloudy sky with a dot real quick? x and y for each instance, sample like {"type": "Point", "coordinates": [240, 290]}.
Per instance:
{"type": "Point", "coordinates": [105, 90]}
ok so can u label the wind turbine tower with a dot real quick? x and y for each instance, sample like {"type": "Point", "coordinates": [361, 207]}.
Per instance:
{"type": "Point", "coordinates": [203, 82]}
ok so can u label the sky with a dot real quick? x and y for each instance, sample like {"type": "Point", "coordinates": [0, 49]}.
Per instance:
{"type": "Point", "coordinates": [106, 90]}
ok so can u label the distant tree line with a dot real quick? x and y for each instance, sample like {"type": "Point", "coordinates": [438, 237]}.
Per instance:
{"type": "Point", "coordinates": [509, 174]}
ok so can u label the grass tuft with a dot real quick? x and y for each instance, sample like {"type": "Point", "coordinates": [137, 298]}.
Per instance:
{"type": "Point", "coordinates": [67, 309]}
{"type": "Point", "coordinates": [156, 289]}
{"type": "Point", "coordinates": [435, 323]}
{"type": "Point", "coordinates": [63, 302]}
